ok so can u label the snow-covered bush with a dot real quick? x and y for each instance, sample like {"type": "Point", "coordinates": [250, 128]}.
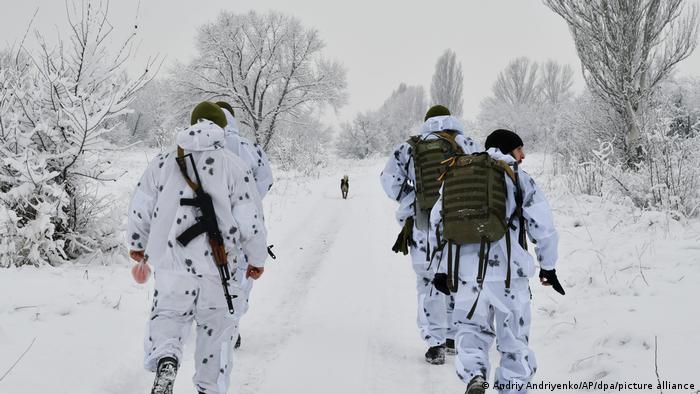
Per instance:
{"type": "Point", "coordinates": [303, 144]}
{"type": "Point", "coordinates": [57, 105]}
{"type": "Point", "coordinates": [362, 137]}
{"type": "Point", "coordinates": [667, 177]}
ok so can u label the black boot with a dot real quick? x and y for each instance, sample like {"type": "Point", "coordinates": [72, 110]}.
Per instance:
{"type": "Point", "coordinates": [476, 385]}
{"type": "Point", "coordinates": [165, 376]}
{"type": "Point", "coordinates": [238, 342]}
{"type": "Point", "coordinates": [450, 347]}
{"type": "Point", "coordinates": [436, 355]}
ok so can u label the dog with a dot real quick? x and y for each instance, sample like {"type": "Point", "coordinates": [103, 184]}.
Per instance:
{"type": "Point", "coordinates": [345, 186]}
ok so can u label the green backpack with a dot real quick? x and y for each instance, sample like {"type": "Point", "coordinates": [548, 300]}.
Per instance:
{"type": "Point", "coordinates": [474, 200]}
{"type": "Point", "coordinates": [428, 161]}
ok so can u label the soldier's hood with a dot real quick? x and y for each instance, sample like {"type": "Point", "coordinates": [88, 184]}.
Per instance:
{"type": "Point", "coordinates": [232, 126]}
{"type": "Point", "coordinates": [498, 155]}
{"type": "Point", "coordinates": [440, 123]}
{"type": "Point", "coordinates": [202, 136]}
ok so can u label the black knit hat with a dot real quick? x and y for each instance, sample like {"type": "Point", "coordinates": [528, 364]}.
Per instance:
{"type": "Point", "coordinates": [209, 111]}
{"type": "Point", "coordinates": [226, 106]}
{"type": "Point", "coordinates": [505, 140]}
{"type": "Point", "coordinates": [436, 110]}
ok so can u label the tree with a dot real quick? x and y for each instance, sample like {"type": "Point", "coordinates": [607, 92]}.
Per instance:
{"type": "Point", "coordinates": [152, 119]}
{"type": "Point", "coordinates": [267, 65]}
{"type": "Point", "coordinates": [401, 113]}
{"type": "Point", "coordinates": [527, 99]}
{"type": "Point", "coordinates": [517, 83]}
{"type": "Point", "coordinates": [58, 103]}
{"type": "Point", "coordinates": [447, 84]}
{"type": "Point", "coordinates": [380, 130]}
{"type": "Point", "coordinates": [555, 82]}
{"type": "Point", "coordinates": [627, 47]}
{"type": "Point", "coordinates": [362, 137]}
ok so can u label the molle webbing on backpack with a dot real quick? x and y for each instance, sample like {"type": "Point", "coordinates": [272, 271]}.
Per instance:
{"type": "Point", "coordinates": [428, 156]}
{"type": "Point", "coordinates": [474, 199]}
{"type": "Point", "coordinates": [474, 210]}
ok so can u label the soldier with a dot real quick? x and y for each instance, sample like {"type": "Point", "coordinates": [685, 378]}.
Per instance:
{"type": "Point", "coordinates": [483, 228]}
{"type": "Point", "coordinates": [410, 178]}
{"type": "Point", "coordinates": [191, 244]}
{"type": "Point", "coordinates": [256, 160]}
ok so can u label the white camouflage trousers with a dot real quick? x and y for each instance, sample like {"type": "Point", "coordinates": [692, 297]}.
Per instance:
{"type": "Point", "coordinates": [434, 307]}
{"type": "Point", "coordinates": [503, 314]}
{"type": "Point", "coordinates": [179, 299]}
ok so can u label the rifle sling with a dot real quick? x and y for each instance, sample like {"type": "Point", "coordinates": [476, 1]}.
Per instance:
{"type": "Point", "coordinates": [183, 169]}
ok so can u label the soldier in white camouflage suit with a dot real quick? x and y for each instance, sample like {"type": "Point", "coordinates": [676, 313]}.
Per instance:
{"type": "Point", "coordinates": [187, 283]}
{"type": "Point", "coordinates": [397, 179]}
{"type": "Point", "coordinates": [501, 313]}
{"type": "Point", "coordinates": [256, 160]}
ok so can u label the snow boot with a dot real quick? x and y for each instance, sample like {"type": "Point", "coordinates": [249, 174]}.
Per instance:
{"type": "Point", "coordinates": [450, 347]}
{"type": "Point", "coordinates": [476, 386]}
{"type": "Point", "coordinates": [436, 355]}
{"type": "Point", "coordinates": [238, 342]}
{"type": "Point", "coordinates": [165, 376]}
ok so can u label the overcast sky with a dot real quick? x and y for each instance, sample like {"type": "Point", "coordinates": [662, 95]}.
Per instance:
{"type": "Point", "coordinates": [381, 42]}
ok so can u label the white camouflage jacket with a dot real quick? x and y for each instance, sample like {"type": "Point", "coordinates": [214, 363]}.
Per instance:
{"type": "Point", "coordinates": [156, 217]}
{"type": "Point", "coordinates": [251, 154]}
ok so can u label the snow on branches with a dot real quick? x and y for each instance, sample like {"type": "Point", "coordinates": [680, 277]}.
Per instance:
{"type": "Point", "coordinates": [268, 66]}
{"type": "Point", "coordinates": [57, 103]}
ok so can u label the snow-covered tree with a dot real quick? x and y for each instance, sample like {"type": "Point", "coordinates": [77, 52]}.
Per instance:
{"type": "Point", "coordinates": [268, 66]}
{"type": "Point", "coordinates": [628, 47]}
{"type": "Point", "coordinates": [555, 82]}
{"type": "Point", "coordinates": [380, 130]}
{"type": "Point", "coordinates": [362, 137]}
{"type": "Point", "coordinates": [58, 102]}
{"type": "Point", "coordinates": [517, 83]}
{"type": "Point", "coordinates": [304, 144]}
{"type": "Point", "coordinates": [527, 99]}
{"type": "Point", "coordinates": [401, 113]}
{"type": "Point", "coordinates": [447, 85]}
{"type": "Point", "coordinates": [153, 118]}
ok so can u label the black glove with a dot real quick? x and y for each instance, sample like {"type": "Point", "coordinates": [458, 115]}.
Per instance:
{"type": "Point", "coordinates": [405, 238]}
{"type": "Point", "coordinates": [550, 278]}
{"type": "Point", "coordinates": [440, 283]}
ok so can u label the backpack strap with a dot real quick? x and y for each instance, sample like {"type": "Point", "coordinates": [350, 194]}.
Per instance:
{"type": "Point", "coordinates": [453, 267]}
{"type": "Point", "coordinates": [450, 284]}
{"type": "Point", "coordinates": [508, 253]}
{"type": "Point", "coordinates": [441, 243]}
{"type": "Point", "coordinates": [450, 137]}
{"type": "Point", "coordinates": [522, 240]}
{"type": "Point", "coordinates": [481, 274]}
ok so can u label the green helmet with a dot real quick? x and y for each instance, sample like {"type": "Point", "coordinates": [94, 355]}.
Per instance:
{"type": "Point", "coordinates": [226, 106]}
{"type": "Point", "coordinates": [209, 111]}
{"type": "Point", "coordinates": [436, 110]}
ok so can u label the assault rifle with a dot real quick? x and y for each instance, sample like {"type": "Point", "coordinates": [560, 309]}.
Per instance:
{"type": "Point", "coordinates": [205, 224]}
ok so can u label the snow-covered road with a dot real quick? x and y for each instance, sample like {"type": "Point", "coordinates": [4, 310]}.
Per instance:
{"type": "Point", "coordinates": [336, 311]}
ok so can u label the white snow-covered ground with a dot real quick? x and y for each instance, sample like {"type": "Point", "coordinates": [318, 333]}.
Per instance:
{"type": "Point", "coordinates": [335, 313]}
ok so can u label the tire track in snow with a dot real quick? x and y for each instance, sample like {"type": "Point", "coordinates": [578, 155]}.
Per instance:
{"type": "Point", "coordinates": [277, 302]}
{"type": "Point", "coordinates": [354, 330]}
